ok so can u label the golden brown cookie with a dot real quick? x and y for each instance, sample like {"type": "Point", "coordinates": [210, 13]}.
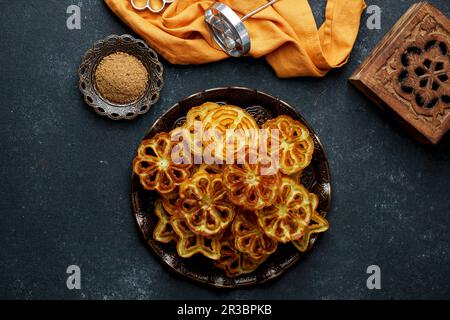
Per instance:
{"type": "Point", "coordinates": [154, 166]}
{"type": "Point", "coordinates": [288, 218]}
{"type": "Point", "coordinates": [163, 231]}
{"type": "Point", "coordinates": [252, 184]}
{"type": "Point", "coordinates": [234, 262]}
{"type": "Point", "coordinates": [205, 205]}
{"type": "Point", "coordinates": [295, 144]}
{"type": "Point", "coordinates": [190, 243]}
{"type": "Point", "coordinates": [249, 238]}
{"type": "Point", "coordinates": [318, 224]}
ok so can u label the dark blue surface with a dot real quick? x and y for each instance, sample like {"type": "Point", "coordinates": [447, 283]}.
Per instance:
{"type": "Point", "coordinates": [65, 174]}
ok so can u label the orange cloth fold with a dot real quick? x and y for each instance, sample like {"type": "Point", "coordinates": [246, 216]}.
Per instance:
{"type": "Point", "coordinates": [286, 33]}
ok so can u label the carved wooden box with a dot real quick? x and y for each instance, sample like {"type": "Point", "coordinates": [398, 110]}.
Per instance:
{"type": "Point", "coordinates": [408, 72]}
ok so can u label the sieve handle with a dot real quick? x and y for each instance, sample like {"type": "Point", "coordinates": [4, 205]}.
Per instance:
{"type": "Point", "coordinates": [248, 15]}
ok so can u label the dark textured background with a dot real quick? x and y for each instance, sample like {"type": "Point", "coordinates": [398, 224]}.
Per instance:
{"type": "Point", "coordinates": [65, 173]}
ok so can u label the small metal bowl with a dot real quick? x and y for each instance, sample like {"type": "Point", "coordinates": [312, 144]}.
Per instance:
{"type": "Point", "coordinates": [132, 46]}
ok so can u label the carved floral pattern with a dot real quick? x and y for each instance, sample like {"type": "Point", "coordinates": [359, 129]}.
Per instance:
{"type": "Point", "coordinates": [417, 73]}
{"type": "Point", "coordinates": [423, 76]}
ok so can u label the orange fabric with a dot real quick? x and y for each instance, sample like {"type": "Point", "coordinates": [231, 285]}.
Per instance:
{"type": "Point", "coordinates": [286, 33]}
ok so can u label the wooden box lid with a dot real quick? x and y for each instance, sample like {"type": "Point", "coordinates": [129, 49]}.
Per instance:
{"type": "Point", "coordinates": [408, 72]}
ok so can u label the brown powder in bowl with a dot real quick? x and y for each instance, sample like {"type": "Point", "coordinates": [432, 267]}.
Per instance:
{"type": "Point", "coordinates": [121, 78]}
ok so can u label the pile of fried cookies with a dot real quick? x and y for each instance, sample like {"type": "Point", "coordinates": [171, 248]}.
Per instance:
{"type": "Point", "coordinates": [231, 213]}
